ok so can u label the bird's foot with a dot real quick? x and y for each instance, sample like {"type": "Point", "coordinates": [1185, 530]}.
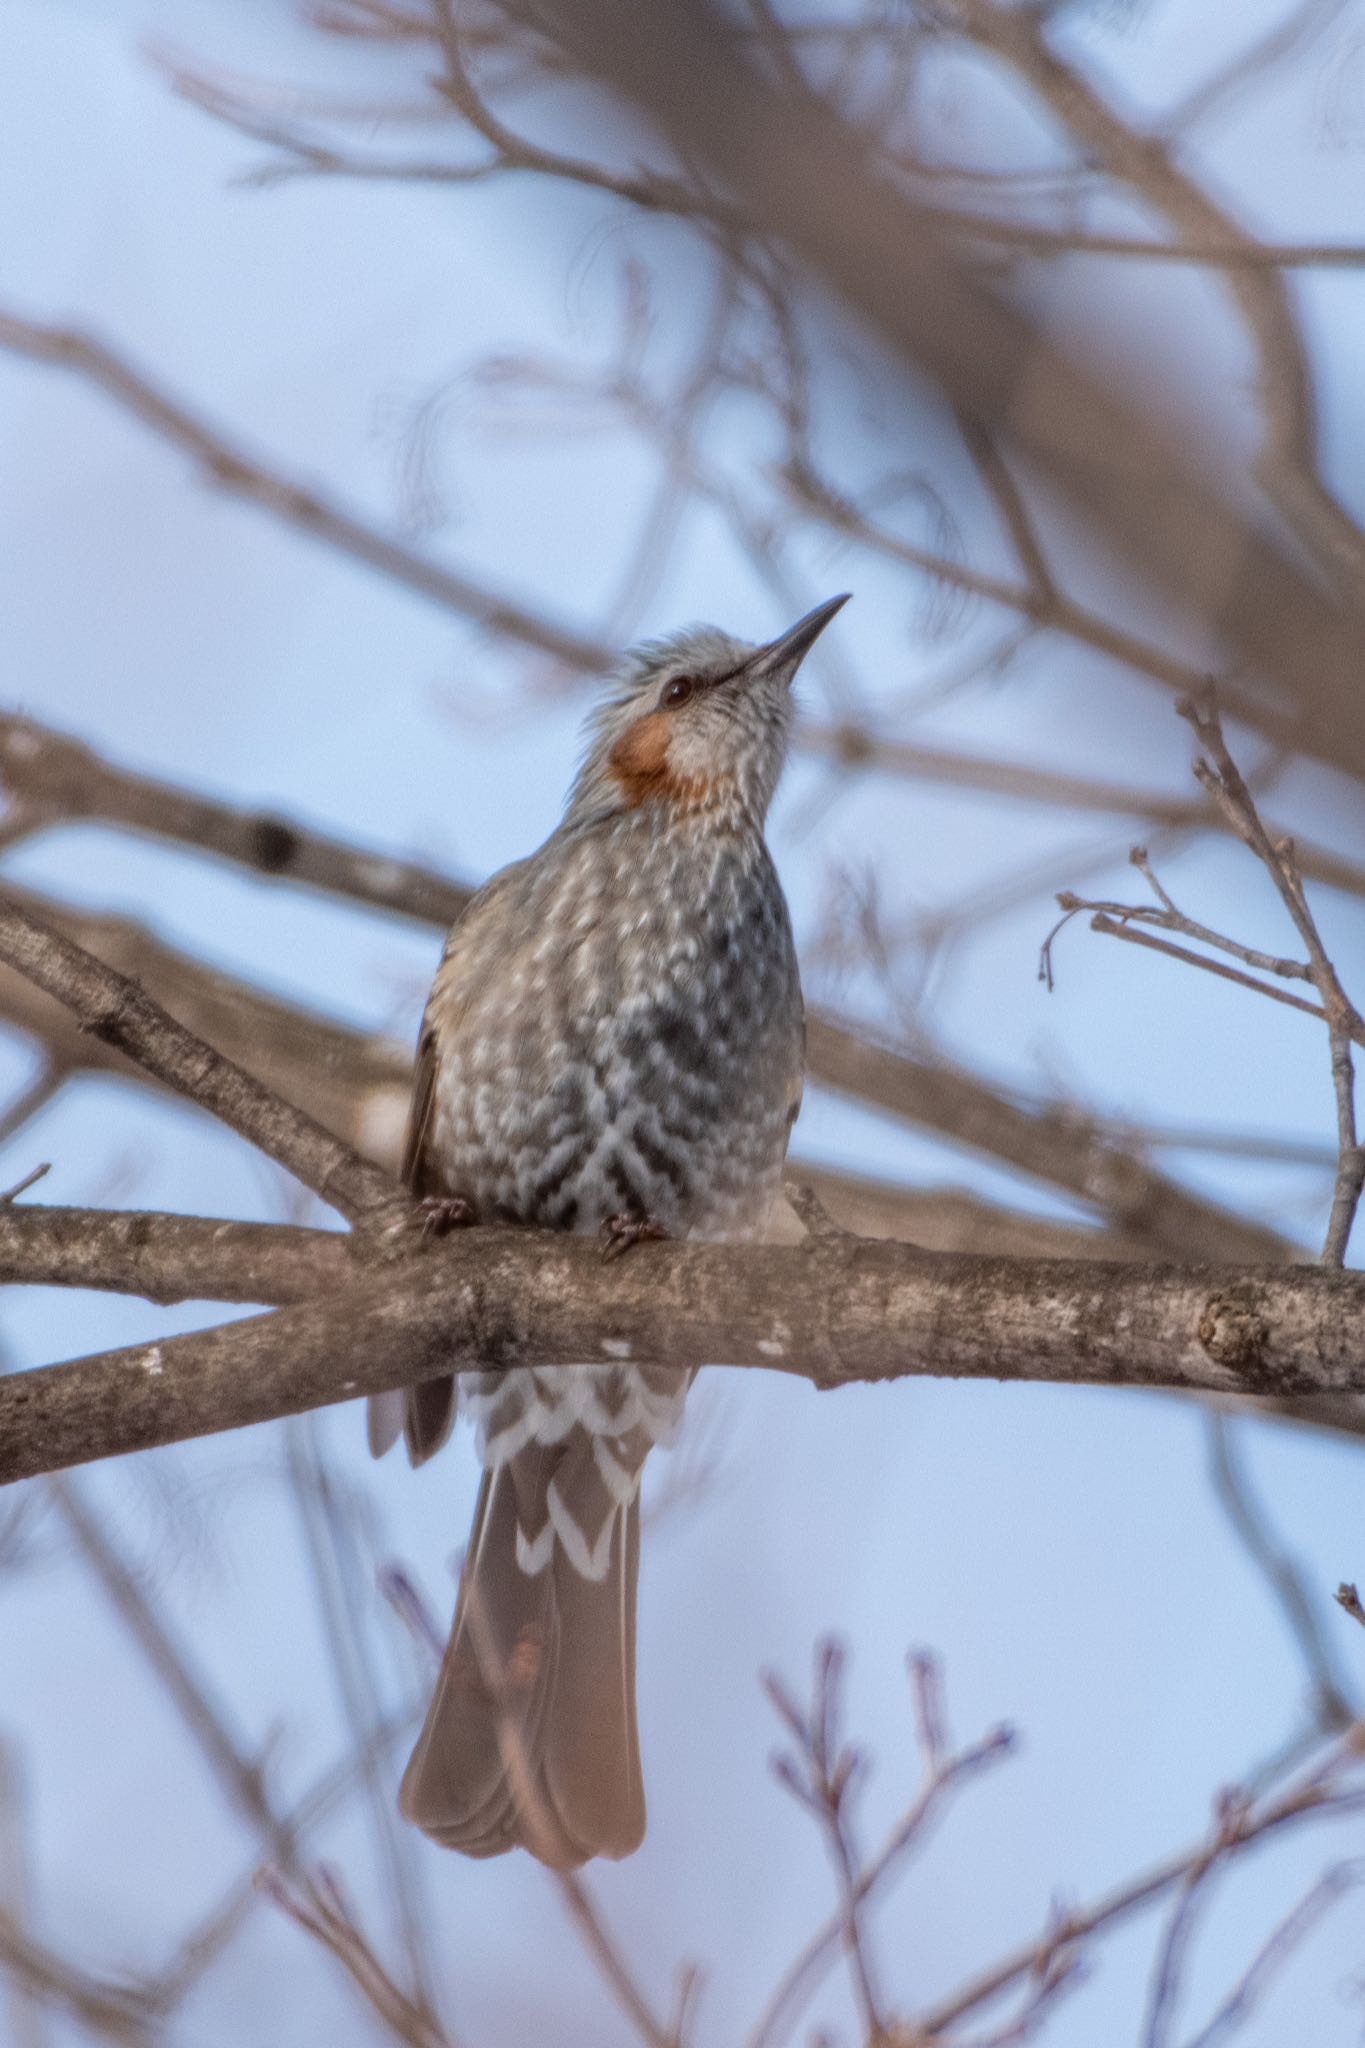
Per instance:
{"type": "Point", "coordinates": [438, 1214]}
{"type": "Point", "coordinates": [619, 1233]}
{"type": "Point", "coordinates": [402, 1225]}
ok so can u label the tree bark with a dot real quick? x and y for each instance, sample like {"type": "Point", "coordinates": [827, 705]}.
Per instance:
{"type": "Point", "coordinates": [836, 1310]}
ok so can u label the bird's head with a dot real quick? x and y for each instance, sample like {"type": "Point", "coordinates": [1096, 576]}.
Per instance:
{"type": "Point", "coordinates": [697, 721]}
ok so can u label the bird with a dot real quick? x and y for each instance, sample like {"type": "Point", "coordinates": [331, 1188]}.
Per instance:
{"type": "Point", "coordinates": [614, 1044]}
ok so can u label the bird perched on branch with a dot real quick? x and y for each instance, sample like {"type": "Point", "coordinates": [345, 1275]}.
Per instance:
{"type": "Point", "coordinates": [613, 1044]}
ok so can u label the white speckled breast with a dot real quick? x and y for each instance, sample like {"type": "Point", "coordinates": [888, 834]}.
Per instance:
{"type": "Point", "coordinates": [617, 1029]}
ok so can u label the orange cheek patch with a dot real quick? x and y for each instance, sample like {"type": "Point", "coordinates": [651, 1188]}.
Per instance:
{"type": "Point", "coordinates": [639, 760]}
{"type": "Point", "coordinates": [640, 763]}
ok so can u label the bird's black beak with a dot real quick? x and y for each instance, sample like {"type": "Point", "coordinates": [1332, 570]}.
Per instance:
{"type": "Point", "coordinates": [784, 656]}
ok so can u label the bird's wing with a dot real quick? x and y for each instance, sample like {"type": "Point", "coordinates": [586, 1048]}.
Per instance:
{"type": "Point", "coordinates": [416, 1167]}
{"type": "Point", "coordinates": [425, 1413]}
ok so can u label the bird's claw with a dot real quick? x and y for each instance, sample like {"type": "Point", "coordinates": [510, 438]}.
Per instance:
{"type": "Point", "coordinates": [619, 1233]}
{"type": "Point", "coordinates": [438, 1214]}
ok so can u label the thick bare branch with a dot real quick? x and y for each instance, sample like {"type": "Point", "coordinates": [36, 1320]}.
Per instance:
{"type": "Point", "coordinates": [170, 1258]}
{"type": "Point", "coordinates": [55, 779]}
{"type": "Point", "coordinates": [836, 1310]}
{"type": "Point", "coordinates": [120, 1014]}
{"type": "Point", "coordinates": [353, 1084]}
{"type": "Point", "coordinates": [360, 1085]}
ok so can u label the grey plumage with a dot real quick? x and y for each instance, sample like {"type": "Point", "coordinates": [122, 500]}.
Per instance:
{"type": "Point", "coordinates": [615, 1032]}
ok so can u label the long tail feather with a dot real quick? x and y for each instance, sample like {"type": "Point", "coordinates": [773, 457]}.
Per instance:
{"type": "Point", "coordinates": [531, 1737]}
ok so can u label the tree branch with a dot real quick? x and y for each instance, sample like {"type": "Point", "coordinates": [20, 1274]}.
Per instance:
{"type": "Point", "coordinates": [118, 1013]}
{"type": "Point", "coordinates": [359, 1086]}
{"type": "Point", "coordinates": [1288, 466]}
{"type": "Point", "coordinates": [1241, 253]}
{"type": "Point", "coordinates": [54, 778]}
{"type": "Point", "coordinates": [853, 746]}
{"type": "Point", "coordinates": [835, 1310]}
{"type": "Point", "coordinates": [1121, 927]}
{"type": "Point", "coordinates": [809, 179]}
{"type": "Point", "coordinates": [170, 1258]}
{"type": "Point", "coordinates": [1223, 781]}
{"type": "Point", "coordinates": [355, 1085]}
{"type": "Point", "coordinates": [227, 464]}
{"type": "Point", "coordinates": [1313, 1799]}
{"type": "Point", "coordinates": [50, 778]}
{"type": "Point", "coordinates": [1050, 1143]}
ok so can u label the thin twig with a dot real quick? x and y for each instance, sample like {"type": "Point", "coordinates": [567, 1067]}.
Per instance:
{"type": "Point", "coordinates": [339, 1577]}
{"type": "Point", "coordinates": [1333, 1707]}
{"type": "Point", "coordinates": [316, 1902]}
{"type": "Point", "coordinates": [1348, 1597]}
{"type": "Point", "coordinates": [28, 2025]}
{"type": "Point", "coordinates": [945, 1772]}
{"type": "Point", "coordinates": [1123, 928]}
{"type": "Point", "coordinates": [227, 464]}
{"type": "Point", "coordinates": [1037, 240]}
{"type": "Point", "coordinates": [1191, 1896]}
{"type": "Point", "coordinates": [1277, 1948]}
{"type": "Point", "coordinates": [1009, 499]}
{"type": "Point", "coordinates": [198, 1950]}
{"type": "Point", "coordinates": [820, 1773]}
{"type": "Point", "coordinates": [36, 1096]}
{"type": "Point", "coordinates": [1227, 789]}
{"type": "Point", "coordinates": [607, 1954]}
{"type": "Point", "coordinates": [1327, 1791]}
{"type": "Point", "coordinates": [21, 1187]}
{"type": "Point", "coordinates": [240, 1774]}
{"type": "Point", "coordinates": [1223, 779]}
{"type": "Point", "coordinates": [106, 2006]}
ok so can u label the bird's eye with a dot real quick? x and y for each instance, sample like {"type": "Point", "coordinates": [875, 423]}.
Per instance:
{"type": "Point", "coordinates": [677, 691]}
